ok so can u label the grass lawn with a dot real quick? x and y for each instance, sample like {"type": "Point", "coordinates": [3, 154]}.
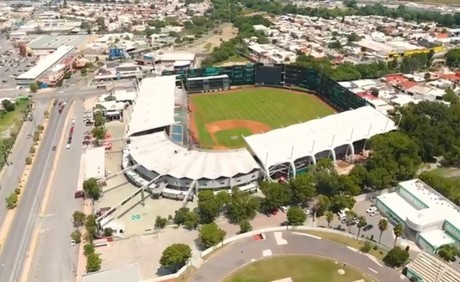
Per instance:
{"type": "Point", "coordinates": [298, 268]}
{"type": "Point", "coordinates": [452, 173]}
{"type": "Point", "coordinates": [231, 138]}
{"type": "Point", "coordinates": [10, 121]}
{"type": "Point", "coordinates": [345, 240]}
{"type": "Point", "coordinates": [271, 106]}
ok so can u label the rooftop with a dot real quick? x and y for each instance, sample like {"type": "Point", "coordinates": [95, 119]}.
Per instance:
{"type": "Point", "coordinates": [53, 42]}
{"type": "Point", "coordinates": [309, 138]}
{"type": "Point", "coordinates": [95, 163]}
{"type": "Point", "coordinates": [45, 63]}
{"type": "Point", "coordinates": [129, 273]}
{"type": "Point", "coordinates": [398, 205]}
{"type": "Point", "coordinates": [176, 56]}
{"type": "Point", "coordinates": [437, 238]}
{"type": "Point", "coordinates": [154, 106]}
{"type": "Point", "coordinates": [157, 153]}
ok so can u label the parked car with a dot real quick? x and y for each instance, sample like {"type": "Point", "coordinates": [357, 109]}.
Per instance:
{"type": "Point", "coordinates": [371, 209]}
{"type": "Point", "coordinates": [372, 214]}
{"type": "Point", "coordinates": [368, 227]}
{"type": "Point", "coordinates": [284, 209]}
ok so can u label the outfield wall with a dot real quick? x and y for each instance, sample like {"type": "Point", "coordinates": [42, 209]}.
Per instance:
{"type": "Point", "coordinates": [281, 75]}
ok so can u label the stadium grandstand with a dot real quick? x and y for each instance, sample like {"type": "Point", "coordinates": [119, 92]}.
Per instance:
{"type": "Point", "coordinates": [167, 167]}
{"type": "Point", "coordinates": [290, 150]}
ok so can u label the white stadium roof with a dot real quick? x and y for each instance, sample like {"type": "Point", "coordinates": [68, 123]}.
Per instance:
{"type": "Point", "coordinates": [157, 153]}
{"type": "Point", "coordinates": [154, 106]}
{"type": "Point", "coordinates": [306, 139]}
{"type": "Point", "coordinates": [45, 63]}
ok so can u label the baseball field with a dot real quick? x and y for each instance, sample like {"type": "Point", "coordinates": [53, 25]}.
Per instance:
{"type": "Point", "coordinates": [219, 120]}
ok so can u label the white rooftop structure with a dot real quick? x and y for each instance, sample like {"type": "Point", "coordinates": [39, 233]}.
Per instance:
{"type": "Point", "coordinates": [45, 63]}
{"type": "Point", "coordinates": [176, 56]}
{"type": "Point", "coordinates": [154, 106]}
{"type": "Point", "coordinates": [129, 273]}
{"type": "Point", "coordinates": [398, 205]}
{"type": "Point", "coordinates": [437, 238]}
{"type": "Point", "coordinates": [285, 145]}
{"type": "Point", "coordinates": [95, 163]}
{"type": "Point", "coordinates": [156, 152]}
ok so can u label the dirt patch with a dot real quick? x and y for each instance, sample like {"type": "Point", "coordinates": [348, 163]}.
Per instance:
{"type": "Point", "coordinates": [214, 127]}
{"type": "Point", "coordinates": [210, 40]}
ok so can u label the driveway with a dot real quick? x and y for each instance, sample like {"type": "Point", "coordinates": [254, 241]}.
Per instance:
{"type": "Point", "coordinates": [235, 255]}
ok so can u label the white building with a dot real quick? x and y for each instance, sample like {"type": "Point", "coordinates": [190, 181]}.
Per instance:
{"type": "Point", "coordinates": [429, 218]}
{"type": "Point", "coordinates": [43, 65]}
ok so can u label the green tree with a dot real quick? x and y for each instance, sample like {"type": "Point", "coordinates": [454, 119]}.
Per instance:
{"type": "Point", "coordinates": [211, 235]}
{"type": "Point", "coordinates": [448, 252]}
{"type": "Point", "coordinates": [361, 223]}
{"type": "Point", "coordinates": [8, 105]}
{"type": "Point", "coordinates": [175, 256]}
{"type": "Point", "coordinates": [321, 204]}
{"type": "Point", "coordinates": [396, 257]}
{"type": "Point", "coordinates": [296, 216]}
{"type": "Point", "coordinates": [93, 262]}
{"type": "Point", "coordinates": [91, 227]}
{"type": "Point", "coordinates": [398, 231]}
{"type": "Point", "coordinates": [208, 207]}
{"type": "Point", "coordinates": [451, 97]}
{"type": "Point", "coordinates": [383, 226]}
{"type": "Point", "coordinates": [241, 206]}
{"type": "Point", "coordinates": [160, 222]}
{"type": "Point", "coordinates": [92, 188]}
{"type": "Point", "coordinates": [78, 218]}
{"type": "Point", "coordinates": [302, 188]}
{"type": "Point", "coordinates": [12, 201]}
{"type": "Point", "coordinates": [33, 87]}
{"type": "Point", "coordinates": [108, 232]}
{"type": "Point", "coordinates": [245, 226]}
{"type": "Point", "coordinates": [99, 119]}
{"type": "Point", "coordinates": [191, 220]}
{"type": "Point", "coordinates": [276, 195]}
{"type": "Point", "coordinates": [329, 218]}
{"type": "Point", "coordinates": [180, 216]}
{"type": "Point", "coordinates": [76, 236]}
{"type": "Point", "coordinates": [350, 217]}
{"type": "Point", "coordinates": [88, 249]}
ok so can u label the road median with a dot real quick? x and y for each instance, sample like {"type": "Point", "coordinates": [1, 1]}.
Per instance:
{"type": "Point", "coordinates": [11, 213]}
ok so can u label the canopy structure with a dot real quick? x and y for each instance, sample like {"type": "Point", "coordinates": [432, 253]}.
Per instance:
{"type": "Point", "coordinates": [156, 152]}
{"type": "Point", "coordinates": [154, 106]}
{"type": "Point", "coordinates": [306, 140]}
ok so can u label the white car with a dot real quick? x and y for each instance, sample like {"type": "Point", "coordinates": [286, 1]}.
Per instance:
{"type": "Point", "coordinates": [308, 212]}
{"type": "Point", "coordinates": [372, 214]}
{"type": "Point", "coordinates": [284, 208]}
{"type": "Point", "coordinates": [371, 209]}
{"type": "Point", "coordinates": [67, 146]}
{"type": "Point", "coordinates": [73, 243]}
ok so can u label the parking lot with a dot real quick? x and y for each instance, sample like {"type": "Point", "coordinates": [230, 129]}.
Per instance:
{"type": "Point", "coordinates": [373, 231]}
{"type": "Point", "coordinates": [12, 64]}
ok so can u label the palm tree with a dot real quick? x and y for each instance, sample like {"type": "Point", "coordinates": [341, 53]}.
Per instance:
{"type": "Point", "coordinates": [398, 230]}
{"type": "Point", "coordinates": [383, 226]}
{"type": "Point", "coordinates": [361, 223]}
{"type": "Point", "coordinates": [329, 218]}
{"type": "Point", "coordinates": [350, 217]}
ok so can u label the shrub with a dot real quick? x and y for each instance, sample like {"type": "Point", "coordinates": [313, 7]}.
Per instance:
{"type": "Point", "coordinates": [32, 150]}
{"type": "Point", "coordinates": [396, 257]}
{"type": "Point", "coordinates": [17, 191]}
{"type": "Point", "coordinates": [28, 161]}
{"type": "Point", "coordinates": [366, 247]}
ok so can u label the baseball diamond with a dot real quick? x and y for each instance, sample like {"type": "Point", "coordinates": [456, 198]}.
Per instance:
{"type": "Point", "coordinates": [220, 119]}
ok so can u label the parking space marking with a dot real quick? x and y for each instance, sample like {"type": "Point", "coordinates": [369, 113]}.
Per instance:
{"type": "Point", "coordinates": [307, 235]}
{"type": "Point", "coordinates": [267, 253]}
{"type": "Point", "coordinates": [279, 239]}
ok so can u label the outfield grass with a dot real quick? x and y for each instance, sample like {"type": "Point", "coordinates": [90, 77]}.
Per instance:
{"type": "Point", "coordinates": [298, 268]}
{"type": "Point", "coordinates": [271, 106]}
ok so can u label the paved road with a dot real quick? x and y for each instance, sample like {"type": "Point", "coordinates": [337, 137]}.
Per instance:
{"type": "Point", "coordinates": [71, 92]}
{"type": "Point", "coordinates": [242, 252]}
{"type": "Point", "coordinates": [17, 244]}
{"type": "Point", "coordinates": [11, 174]}
{"type": "Point", "coordinates": [54, 259]}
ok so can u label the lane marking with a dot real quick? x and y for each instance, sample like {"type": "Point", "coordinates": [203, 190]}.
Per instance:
{"type": "Point", "coordinates": [279, 239]}
{"type": "Point", "coordinates": [375, 271]}
{"type": "Point", "coordinates": [352, 249]}
{"type": "Point", "coordinates": [307, 235]}
{"type": "Point", "coordinates": [267, 253]}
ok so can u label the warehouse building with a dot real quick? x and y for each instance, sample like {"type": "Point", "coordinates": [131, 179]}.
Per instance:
{"type": "Point", "coordinates": [44, 65]}
{"type": "Point", "coordinates": [47, 44]}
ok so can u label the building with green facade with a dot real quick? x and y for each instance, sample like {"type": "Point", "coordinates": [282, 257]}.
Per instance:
{"type": "Point", "coordinates": [429, 218]}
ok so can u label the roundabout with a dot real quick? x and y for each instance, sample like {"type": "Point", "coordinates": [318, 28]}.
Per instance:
{"type": "Point", "coordinates": [227, 262]}
{"type": "Point", "coordinates": [296, 268]}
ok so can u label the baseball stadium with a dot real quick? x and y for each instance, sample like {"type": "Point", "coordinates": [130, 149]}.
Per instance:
{"type": "Point", "coordinates": [218, 128]}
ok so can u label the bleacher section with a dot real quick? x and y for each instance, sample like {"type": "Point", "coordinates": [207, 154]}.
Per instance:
{"type": "Point", "coordinates": [207, 83]}
{"type": "Point", "coordinates": [428, 268]}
